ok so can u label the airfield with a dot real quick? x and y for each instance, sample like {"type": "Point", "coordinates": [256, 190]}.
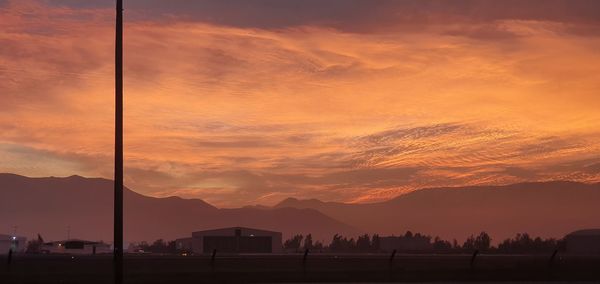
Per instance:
{"type": "Point", "coordinates": [289, 268]}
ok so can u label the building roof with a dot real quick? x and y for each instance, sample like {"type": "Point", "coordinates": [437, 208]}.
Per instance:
{"type": "Point", "coordinates": [586, 232]}
{"type": "Point", "coordinates": [235, 228]}
{"type": "Point", "coordinates": [75, 240]}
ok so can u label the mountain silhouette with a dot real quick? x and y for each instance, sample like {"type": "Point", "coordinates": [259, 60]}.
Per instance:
{"type": "Point", "coordinates": [52, 206]}
{"type": "Point", "coordinates": [549, 209]}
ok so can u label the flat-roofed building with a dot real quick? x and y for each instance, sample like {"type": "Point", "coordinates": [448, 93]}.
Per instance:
{"type": "Point", "coordinates": [75, 246]}
{"type": "Point", "coordinates": [583, 242]}
{"type": "Point", "coordinates": [232, 240]}
{"type": "Point", "coordinates": [13, 243]}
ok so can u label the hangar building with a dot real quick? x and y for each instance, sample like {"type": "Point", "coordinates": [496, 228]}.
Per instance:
{"type": "Point", "coordinates": [232, 240]}
{"type": "Point", "coordinates": [583, 242]}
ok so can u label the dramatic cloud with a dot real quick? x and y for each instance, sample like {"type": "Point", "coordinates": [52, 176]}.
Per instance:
{"type": "Point", "coordinates": [244, 102]}
{"type": "Point", "coordinates": [353, 15]}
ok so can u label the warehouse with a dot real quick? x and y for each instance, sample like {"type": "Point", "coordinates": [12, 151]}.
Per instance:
{"type": "Point", "coordinates": [13, 243]}
{"type": "Point", "coordinates": [583, 242]}
{"type": "Point", "coordinates": [232, 240]}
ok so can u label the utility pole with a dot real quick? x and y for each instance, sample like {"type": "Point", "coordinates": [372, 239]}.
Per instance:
{"type": "Point", "coordinates": [118, 202]}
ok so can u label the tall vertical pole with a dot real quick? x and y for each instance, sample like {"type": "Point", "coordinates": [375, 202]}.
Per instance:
{"type": "Point", "coordinates": [118, 203]}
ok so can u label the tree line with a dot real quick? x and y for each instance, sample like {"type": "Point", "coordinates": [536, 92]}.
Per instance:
{"type": "Point", "coordinates": [409, 242]}
{"type": "Point", "coordinates": [522, 243]}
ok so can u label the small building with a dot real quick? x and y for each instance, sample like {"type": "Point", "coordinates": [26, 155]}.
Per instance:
{"type": "Point", "coordinates": [75, 246]}
{"type": "Point", "coordinates": [13, 243]}
{"type": "Point", "coordinates": [583, 242]}
{"type": "Point", "coordinates": [232, 240]}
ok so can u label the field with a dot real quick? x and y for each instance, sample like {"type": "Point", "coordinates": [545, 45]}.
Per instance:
{"type": "Point", "coordinates": [291, 268]}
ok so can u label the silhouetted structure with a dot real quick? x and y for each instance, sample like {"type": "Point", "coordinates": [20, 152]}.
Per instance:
{"type": "Point", "coordinates": [118, 201]}
{"type": "Point", "coordinates": [583, 242]}
{"type": "Point", "coordinates": [232, 240]}
{"type": "Point", "coordinates": [12, 243]}
{"type": "Point", "coordinates": [75, 246]}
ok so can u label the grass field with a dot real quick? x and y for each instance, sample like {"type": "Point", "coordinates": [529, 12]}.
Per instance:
{"type": "Point", "coordinates": [290, 268]}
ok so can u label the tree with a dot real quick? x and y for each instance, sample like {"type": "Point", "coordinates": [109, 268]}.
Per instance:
{"type": "Point", "coordinates": [469, 243]}
{"type": "Point", "coordinates": [350, 245]}
{"type": "Point", "coordinates": [293, 243]}
{"type": "Point", "coordinates": [342, 244]}
{"type": "Point", "coordinates": [336, 243]}
{"type": "Point", "coordinates": [159, 246]}
{"type": "Point", "coordinates": [172, 247]}
{"type": "Point", "coordinates": [455, 244]}
{"type": "Point", "coordinates": [308, 242]}
{"type": "Point", "coordinates": [363, 243]}
{"type": "Point", "coordinates": [439, 244]}
{"type": "Point", "coordinates": [375, 243]}
{"type": "Point", "coordinates": [144, 246]}
{"type": "Point", "coordinates": [318, 246]}
{"type": "Point", "coordinates": [523, 243]}
{"type": "Point", "coordinates": [481, 242]}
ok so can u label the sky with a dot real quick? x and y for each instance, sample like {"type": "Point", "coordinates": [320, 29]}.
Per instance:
{"type": "Point", "coordinates": [243, 102]}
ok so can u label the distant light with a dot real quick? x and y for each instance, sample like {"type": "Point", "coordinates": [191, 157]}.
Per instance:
{"type": "Point", "coordinates": [60, 245]}
{"type": "Point", "coordinates": [14, 238]}
{"type": "Point", "coordinates": [252, 235]}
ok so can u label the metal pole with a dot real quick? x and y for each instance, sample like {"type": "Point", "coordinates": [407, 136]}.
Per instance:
{"type": "Point", "coordinates": [118, 202]}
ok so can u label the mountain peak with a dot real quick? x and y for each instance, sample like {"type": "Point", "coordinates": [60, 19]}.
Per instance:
{"type": "Point", "coordinates": [75, 177]}
{"type": "Point", "coordinates": [299, 203]}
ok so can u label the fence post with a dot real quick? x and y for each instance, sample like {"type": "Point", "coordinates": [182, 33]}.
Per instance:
{"type": "Point", "coordinates": [212, 258]}
{"type": "Point", "coordinates": [391, 266]}
{"type": "Point", "coordinates": [304, 258]}
{"type": "Point", "coordinates": [475, 253]}
{"type": "Point", "coordinates": [9, 259]}
{"type": "Point", "coordinates": [552, 258]}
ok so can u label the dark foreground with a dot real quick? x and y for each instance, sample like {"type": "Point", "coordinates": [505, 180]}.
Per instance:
{"type": "Point", "coordinates": [290, 268]}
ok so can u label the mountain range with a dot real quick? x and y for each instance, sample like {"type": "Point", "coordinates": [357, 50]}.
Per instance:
{"type": "Point", "coordinates": [79, 207]}
{"type": "Point", "coordinates": [547, 209]}
{"type": "Point", "coordinates": [82, 208]}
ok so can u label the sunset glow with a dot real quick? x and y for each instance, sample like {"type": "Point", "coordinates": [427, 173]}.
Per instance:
{"type": "Point", "coordinates": [250, 107]}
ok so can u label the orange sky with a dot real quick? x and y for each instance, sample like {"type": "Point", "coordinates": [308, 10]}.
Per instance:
{"type": "Point", "coordinates": [251, 106]}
